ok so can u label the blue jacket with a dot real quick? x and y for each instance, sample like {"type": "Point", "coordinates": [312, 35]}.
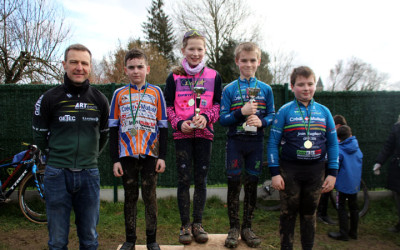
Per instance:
{"type": "Point", "coordinates": [231, 104]}
{"type": "Point", "coordinates": [350, 166]}
{"type": "Point", "coordinates": [288, 132]}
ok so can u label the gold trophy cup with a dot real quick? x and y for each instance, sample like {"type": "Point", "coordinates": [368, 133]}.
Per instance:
{"type": "Point", "coordinates": [198, 91]}
{"type": "Point", "coordinates": [252, 93]}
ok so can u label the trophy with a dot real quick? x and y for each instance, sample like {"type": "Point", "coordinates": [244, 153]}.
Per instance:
{"type": "Point", "coordinates": [198, 91]}
{"type": "Point", "coordinates": [252, 93]}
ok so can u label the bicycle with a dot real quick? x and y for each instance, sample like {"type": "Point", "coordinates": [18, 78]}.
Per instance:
{"type": "Point", "coordinates": [270, 198]}
{"type": "Point", "coordinates": [27, 174]}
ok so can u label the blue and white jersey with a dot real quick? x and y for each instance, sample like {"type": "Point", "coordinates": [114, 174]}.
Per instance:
{"type": "Point", "coordinates": [289, 133]}
{"type": "Point", "coordinates": [234, 98]}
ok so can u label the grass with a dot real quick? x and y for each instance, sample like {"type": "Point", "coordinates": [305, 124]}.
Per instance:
{"type": "Point", "coordinates": [373, 232]}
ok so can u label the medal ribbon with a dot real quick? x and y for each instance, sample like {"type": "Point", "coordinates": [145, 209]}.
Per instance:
{"type": "Point", "coordinates": [195, 84]}
{"type": "Point", "coordinates": [140, 100]}
{"type": "Point", "coordinates": [309, 118]}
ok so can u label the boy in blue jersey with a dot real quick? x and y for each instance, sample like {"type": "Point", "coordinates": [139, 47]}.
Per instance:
{"type": "Point", "coordinates": [244, 148]}
{"type": "Point", "coordinates": [302, 133]}
{"type": "Point", "coordinates": [348, 183]}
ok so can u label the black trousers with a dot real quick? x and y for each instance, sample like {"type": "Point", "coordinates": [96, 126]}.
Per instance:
{"type": "Point", "coordinates": [303, 184]}
{"type": "Point", "coordinates": [130, 180]}
{"type": "Point", "coordinates": [343, 217]}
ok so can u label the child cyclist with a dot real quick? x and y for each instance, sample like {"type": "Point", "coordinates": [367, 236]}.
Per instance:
{"type": "Point", "coordinates": [302, 133]}
{"type": "Point", "coordinates": [244, 148]}
{"type": "Point", "coordinates": [138, 144]}
{"type": "Point", "coordinates": [193, 134]}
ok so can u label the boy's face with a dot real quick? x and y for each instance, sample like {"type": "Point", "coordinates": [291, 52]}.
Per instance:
{"type": "Point", "coordinates": [136, 70]}
{"type": "Point", "coordinates": [248, 63]}
{"type": "Point", "coordinates": [304, 88]}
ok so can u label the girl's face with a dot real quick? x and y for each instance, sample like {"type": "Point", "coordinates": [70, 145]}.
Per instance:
{"type": "Point", "coordinates": [194, 51]}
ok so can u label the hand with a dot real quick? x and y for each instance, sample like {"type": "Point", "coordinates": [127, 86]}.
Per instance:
{"type": "Point", "coordinates": [329, 184]}
{"type": "Point", "coordinates": [278, 183]}
{"type": "Point", "coordinates": [160, 166]}
{"type": "Point", "coordinates": [254, 120]}
{"type": "Point", "coordinates": [250, 108]}
{"type": "Point", "coordinates": [200, 121]}
{"type": "Point", "coordinates": [186, 129]}
{"type": "Point", "coordinates": [117, 169]}
{"type": "Point", "coordinates": [376, 168]}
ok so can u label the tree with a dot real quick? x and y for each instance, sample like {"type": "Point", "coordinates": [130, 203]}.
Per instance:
{"type": "Point", "coordinates": [31, 34]}
{"type": "Point", "coordinates": [113, 65]}
{"type": "Point", "coordinates": [219, 21]}
{"type": "Point", "coordinates": [158, 30]}
{"type": "Point", "coordinates": [281, 66]}
{"type": "Point", "coordinates": [355, 74]}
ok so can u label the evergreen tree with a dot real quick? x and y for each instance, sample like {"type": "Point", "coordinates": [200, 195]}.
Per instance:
{"type": "Point", "coordinates": [158, 30]}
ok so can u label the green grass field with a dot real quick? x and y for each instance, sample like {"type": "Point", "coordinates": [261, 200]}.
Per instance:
{"type": "Point", "coordinates": [16, 232]}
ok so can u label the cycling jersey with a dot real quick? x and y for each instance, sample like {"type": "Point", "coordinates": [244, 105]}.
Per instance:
{"type": "Point", "coordinates": [72, 123]}
{"type": "Point", "coordinates": [234, 98]}
{"type": "Point", "coordinates": [289, 133]}
{"type": "Point", "coordinates": [150, 117]}
{"type": "Point", "coordinates": [179, 93]}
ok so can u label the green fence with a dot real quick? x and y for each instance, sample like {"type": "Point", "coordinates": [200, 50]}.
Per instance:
{"type": "Point", "coordinates": [369, 114]}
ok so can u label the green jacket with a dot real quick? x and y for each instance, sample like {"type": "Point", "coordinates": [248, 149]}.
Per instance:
{"type": "Point", "coordinates": [72, 124]}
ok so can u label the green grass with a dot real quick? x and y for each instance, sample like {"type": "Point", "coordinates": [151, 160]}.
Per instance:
{"type": "Point", "coordinates": [372, 227]}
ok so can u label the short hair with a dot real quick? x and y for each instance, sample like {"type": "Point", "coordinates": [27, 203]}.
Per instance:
{"type": "Point", "coordinates": [301, 71]}
{"type": "Point", "coordinates": [76, 46]}
{"type": "Point", "coordinates": [247, 46]}
{"type": "Point", "coordinates": [339, 119]}
{"type": "Point", "coordinates": [343, 132]}
{"type": "Point", "coordinates": [135, 53]}
{"type": "Point", "coordinates": [192, 34]}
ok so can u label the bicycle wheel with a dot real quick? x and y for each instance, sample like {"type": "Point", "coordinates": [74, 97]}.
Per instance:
{"type": "Point", "coordinates": [269, 198]}
{"type": "Point", "coordinates": [363, 201]}
{"type": "Point", "coordinates": [31, 201]}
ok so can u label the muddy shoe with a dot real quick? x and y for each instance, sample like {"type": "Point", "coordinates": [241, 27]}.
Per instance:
{"type": "Point", "coordinates": [250, 238]}
{"type": "Point", "coordinates": [200, 236]}
{"type": "Point", "coordinates": [232, 239]}
{"type": "Point", "coordinates": [128, 246]}
{"type": "Point", "coordinates": [185, 236]}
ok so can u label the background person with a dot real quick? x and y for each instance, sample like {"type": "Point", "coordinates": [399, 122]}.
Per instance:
{"type": "Point", "coordinates": [304, 131]}
{"type": "Point", "coordinates": [138, 144]}
{"type": "Point", "coordinates": [192, 144]}
{"type": "Point", "coordinates": [348, 183]}
{"type": "Point", "coordinates": [244, 149]}
{"type": "Point", "coordinates": [70, 123]}
{"type": "Point", "coordinates": [391, 148]}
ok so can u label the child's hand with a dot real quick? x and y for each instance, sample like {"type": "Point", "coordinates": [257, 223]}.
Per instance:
{"type": "Point", "coordinates": [278, 183]}
{"type": "Point", "coordinates": [376, 168]}
{"type": "Point", "coordinates": [250, 108]}
{"type": "Point", "coordinates": [186, 129]}
{"type": "Point", "coordinates": [329, 184]}
{"type": "Point", "coordinates": [117, 169]}
{"type": "Point", "coordinates": [160, 166]}
{"type": "Point", "coordinates": [200, 121]}
{"type": "Point", "coordinates": [254, 120]}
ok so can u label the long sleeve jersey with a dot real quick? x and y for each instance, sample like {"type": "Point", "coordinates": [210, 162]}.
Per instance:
{"type": "Point", "coordinates": [289, 133]}
{"type": "Point", "coordinates": [178, 93]}
{"type": "Point", "coordinates": [234, 97]}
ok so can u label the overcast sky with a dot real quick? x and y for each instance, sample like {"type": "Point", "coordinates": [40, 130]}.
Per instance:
{"type": "Point", "coordinates": [319, 32]}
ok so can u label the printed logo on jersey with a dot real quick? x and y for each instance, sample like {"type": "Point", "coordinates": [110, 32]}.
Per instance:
{"type": "Point", "coordinates": [85, 106]}
{"type": "Point", "coordinates": [67, 118]}
{"type": "Point", "coordinates": [37, 105]}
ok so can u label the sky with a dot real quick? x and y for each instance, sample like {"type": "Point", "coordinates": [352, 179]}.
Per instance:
{"type": "Point", "coordinates": [318, 33]}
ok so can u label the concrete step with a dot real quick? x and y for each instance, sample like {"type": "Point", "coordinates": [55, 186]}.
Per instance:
{"type": "Point", "coordinates": [215, 242]}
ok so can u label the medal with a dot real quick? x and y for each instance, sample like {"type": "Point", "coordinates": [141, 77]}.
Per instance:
{"type": "Point", "coordinates": [308, 144]}
{"type": "Point", "coordinates": [244, 125]}
{"type": "Point", "coordinates": [191, 102]}
{"type": "Point", "coordinates": [133, 132]}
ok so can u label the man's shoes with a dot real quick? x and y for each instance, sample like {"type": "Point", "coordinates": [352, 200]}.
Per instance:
{"type": "Point", "coordinates": [128, 246]}
{"type": "Point", "coordinates": [153, 246]}
{"type": "Point", "coordinates": [250, 238]}
{"type": "Point", "coordinates": [353, 236]}
{"type": "Point", "coordinates": [232, 239]}
{"type": "Point", "coordinates": [185, 235]}
{"type": "Point", "coordinates": [338, 236]}
{"type": "Point", "coordinates": [200, 236]}
{"type": "Point", "coordinates": [326, 220]}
